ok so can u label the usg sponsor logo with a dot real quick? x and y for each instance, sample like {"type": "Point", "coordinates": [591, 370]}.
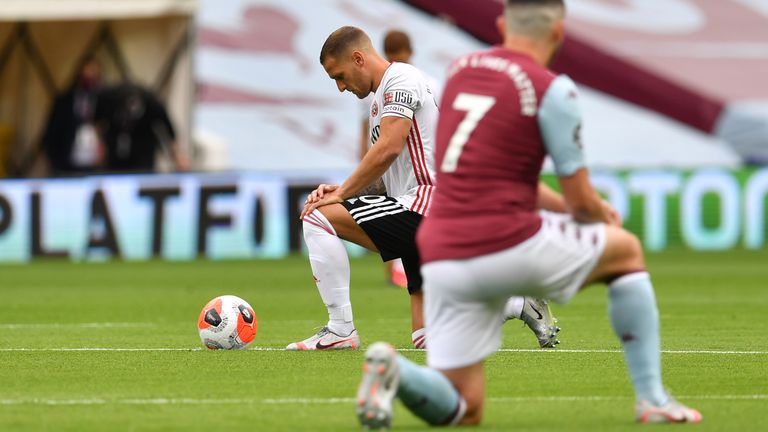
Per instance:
{"type": "Point", "coordinates": [398, 97]}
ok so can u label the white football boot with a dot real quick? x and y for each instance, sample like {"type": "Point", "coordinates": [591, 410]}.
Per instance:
{"type": "Point", "coordinates": [378, 387]}
{"type": "Point", "coordinates": [325, 339]}
{"type": "Point", "coordinates": [537, 316]}
{"type": "Point", "coordinates": [671, 412]}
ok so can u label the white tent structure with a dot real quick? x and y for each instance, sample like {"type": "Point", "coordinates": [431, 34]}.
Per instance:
{"type": "Point", "coordinates": [43, 42]}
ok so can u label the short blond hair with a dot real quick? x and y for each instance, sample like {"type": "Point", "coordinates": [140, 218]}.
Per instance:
{"type": "Point", "coordinates": [533, 18]}
{"type": "Point", "coordinates": [342, 40]}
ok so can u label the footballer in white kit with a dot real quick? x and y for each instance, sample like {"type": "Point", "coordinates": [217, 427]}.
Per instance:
{"type": "Point", "coordinates": [402, 120]}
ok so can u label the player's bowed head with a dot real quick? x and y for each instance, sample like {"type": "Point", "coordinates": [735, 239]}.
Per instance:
{"type": "Point", "coordinates": [534, 27]}
{"type": "Point", "coordinates": [349, 59]}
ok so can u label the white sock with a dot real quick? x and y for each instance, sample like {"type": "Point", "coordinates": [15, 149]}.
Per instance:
{"type": "Point", "coordinates": [514, 307]}
{"type": "Point", "coordinates": [418, 337]}
{"type": "Point", "coordinates": [330, 267]}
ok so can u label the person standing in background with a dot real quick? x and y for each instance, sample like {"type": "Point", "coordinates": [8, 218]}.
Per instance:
{"type": "Point", "coordinates": [70, 140]}
{"type": "Point", "coordinates": [134, 125]}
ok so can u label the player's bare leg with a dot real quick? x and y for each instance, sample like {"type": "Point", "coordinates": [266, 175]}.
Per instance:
{"type": "Point", "coordinates": [635, 319]}
{"type": "Point", "coordinates": [346, 227]}
{"type": "Point", "coordinates": [470, 383]}
{"type": "Point", "coordinates": [623, 254]}
{"type": "Point", "coordinates": [418, 333]}
{"type": "Point", "coordinates": [417, 311]}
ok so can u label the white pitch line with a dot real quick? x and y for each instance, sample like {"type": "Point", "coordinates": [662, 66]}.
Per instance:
{"type": "Point", "coordinates": [615, 398]}
{"type": "Point", "coordinates": [506, 350]}
{"type": "Point", "coordinates": [88, 349]}
{"type": "Point", "coordinates": [91, 325]}
{"type": "Point", "coordinates": [609, 351]}
{"type": "Point", "coordinates": [520, 350]}
{"type": "Point", "coordinates": [622, 351]}
{"type": "Point", "coordinates": [341, 401]}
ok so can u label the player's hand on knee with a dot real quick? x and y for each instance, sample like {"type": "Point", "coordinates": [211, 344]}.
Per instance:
{"type": "Point", "coordinates": [320, 192]}
{"type": "Point", "coordinates": [313, 196]}
{"type": "Point", "coordinates": [331, 196]}
{"type": "Point", "coordinates": [310, 207]}
{"type": "Point", "coordinates": [306, 210]}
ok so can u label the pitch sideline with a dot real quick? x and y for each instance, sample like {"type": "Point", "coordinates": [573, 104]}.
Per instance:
{"type": "Point", "coordinates": [505, 350]}
{"type": "Point", "coordinates": [333, 401]}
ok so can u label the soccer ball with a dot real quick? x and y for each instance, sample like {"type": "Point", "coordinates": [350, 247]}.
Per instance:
{"type": "Point", "coordinates": [227, 322]}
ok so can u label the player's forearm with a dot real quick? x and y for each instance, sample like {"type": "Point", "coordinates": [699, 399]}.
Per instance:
{"type": "Point", "coordinates": [583, 202]}
{"type": "Point", "coordinates": [375, 188]}
{"type": "Point", "coordinates": [374, 164]}
{"type": "Point", "coordinates": [550, 200]}
{"type": "Point", "coordinates": [590, 210]}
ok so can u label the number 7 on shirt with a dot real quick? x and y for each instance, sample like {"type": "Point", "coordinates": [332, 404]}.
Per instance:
{"type": "Point", "coordinates": [476, 106]}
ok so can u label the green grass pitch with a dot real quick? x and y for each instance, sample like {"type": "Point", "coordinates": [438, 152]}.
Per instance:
{"type": "Point", "coordinates": [714, 325]}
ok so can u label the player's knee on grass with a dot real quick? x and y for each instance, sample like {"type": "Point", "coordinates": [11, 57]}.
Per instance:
{"type": "Point", "coordinates": [470, 383]}
{"type": "Point", "coordinates": [472, 417]}
{"type": "Point", "coordinates": [475, 402]}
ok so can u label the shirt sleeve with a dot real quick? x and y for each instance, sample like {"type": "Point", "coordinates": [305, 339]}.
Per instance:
{"type": "Point", "coordinates": [560, 125]}
{"type": "Point", "coordinates": [402, 95]}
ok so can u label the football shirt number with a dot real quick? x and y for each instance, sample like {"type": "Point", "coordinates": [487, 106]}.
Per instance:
{"type": "Point", "coordinates": [476, 106]}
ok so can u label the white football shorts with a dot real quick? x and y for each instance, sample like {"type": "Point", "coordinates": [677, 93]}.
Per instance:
{"type": "Point", "coordinates": [464, 299]}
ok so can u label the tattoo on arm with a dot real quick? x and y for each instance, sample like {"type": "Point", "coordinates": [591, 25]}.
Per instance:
{"type": "Point", "coordinates": [375, 188]}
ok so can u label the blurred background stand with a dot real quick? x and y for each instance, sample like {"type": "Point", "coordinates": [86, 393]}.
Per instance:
{"type": "Point", "coordinates": [44, 42]}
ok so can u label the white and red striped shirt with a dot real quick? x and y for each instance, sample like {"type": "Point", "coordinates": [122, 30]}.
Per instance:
{"type": "Point", "coordinates": [404, 91]}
